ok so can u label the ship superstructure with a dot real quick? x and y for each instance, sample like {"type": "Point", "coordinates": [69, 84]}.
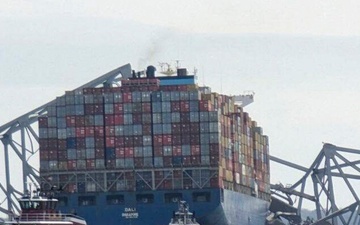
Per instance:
{"type": "Point", "coordinates": [128, 153]}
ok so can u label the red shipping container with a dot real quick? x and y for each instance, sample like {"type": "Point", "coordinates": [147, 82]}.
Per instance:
{"type": "Point", "coordinates": [176, 150]}
{"type": "Point", "coordinates": [90, 164]}
{"type": "Point", "coordinates": [70, 121]}
{"type": "Point", "coordinates": [89, 131]}
{"type": "Point", "coordinates": [80, 131]}
{"type": "Point", "coordinates": [129, 152]}
{"type": "Point", "coordinates": [175, 106]}
{"type": "Point", "coordinates": [214, 182]}
{"type": "Point", "coordinates": [71, 165]}
{"type": "Point", "coordinates": [98, 91]}
{"type": "Point", "coordinates": [116, 89]}
{"type": "Point", "coordinates": [146, 107]}
{"type": "Point", "coordinates": [158, 140]}
{"type": "Point", "coordinates": [109, 120]}
{"type": "Point", "coordinates": [119, 152]}
{"type": "Point", "coordinates": [119, 141]}
{"type": "Point", "coordinates": [118, 108]}
{"type": "Point", "coordinates": [110, 141]}
{"type": "Point", "coordinates": [184, 106]}
{"type": "Point", "coordinates": [167, 139]}
{"type": "Point", "coordinates": [146, 129]}
{"type": "Point", "coordinates": [79, 121]}
{"type": "Point", "coordinates": [118, 119]}
{"type": "Point", "coordinates": [129, 141]}
{"type": "Point", "coordinates": [44, 155]}
{"type": "Point", "coordinates": [52, 155]}
{"type": "Point", "coordinates": [99, 131]}
{"type": "Point", "coordinates": [109, 130]}
{"type": "Point", "coordinates": [127, 97]}
{"type": "Point", "coordinates": [205, 105]}
{"type": "Point", "coordinates": [43, 122]}
{"type": "Point", "coordinates": [195, 150]}
{"type": "Point", "coordinates": [125, 89]}
{"type": "Point", "coordinates": [214, 149]}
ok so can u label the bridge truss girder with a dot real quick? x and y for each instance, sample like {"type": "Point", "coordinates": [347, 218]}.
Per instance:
{"type": "Point", "coordinates": [332, 167]}
{"type": "Point", "coordinates": [20, 139]}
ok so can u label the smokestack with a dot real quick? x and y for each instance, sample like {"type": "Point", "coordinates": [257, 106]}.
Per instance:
{"type": "Point", "coordinates": [150, 72]}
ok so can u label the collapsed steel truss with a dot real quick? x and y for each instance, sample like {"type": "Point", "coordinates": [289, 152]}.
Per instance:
{"type": "Point", "coordinates": [19, 136]}
{"type": "Point", "coordinates": [333, 167]}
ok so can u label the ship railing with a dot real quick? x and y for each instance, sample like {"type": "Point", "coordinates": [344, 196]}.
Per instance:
{"type": "Point", "coordinates": [44, 217]}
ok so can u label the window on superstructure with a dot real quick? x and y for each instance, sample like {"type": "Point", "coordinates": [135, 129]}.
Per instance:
{"type": "Point", "coordinates": [115, 199]}
{"type": "Point", "coordinates": [201, 197]}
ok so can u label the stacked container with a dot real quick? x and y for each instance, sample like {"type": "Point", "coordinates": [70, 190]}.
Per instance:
{"type": "Point", "coordinates": [144, 136]}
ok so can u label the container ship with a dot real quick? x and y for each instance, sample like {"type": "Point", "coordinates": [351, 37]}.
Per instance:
{"type": "Point", "coordinates": [128, 154]}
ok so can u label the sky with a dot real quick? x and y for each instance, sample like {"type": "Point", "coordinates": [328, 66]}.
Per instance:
{"type": "Point", "coordinates": [299, 57]}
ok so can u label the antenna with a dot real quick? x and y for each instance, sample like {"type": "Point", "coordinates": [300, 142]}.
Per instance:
{"type": "Point", "coordinates": [177, 63]}
{"type": "Point", "coordinates": [221, 84]}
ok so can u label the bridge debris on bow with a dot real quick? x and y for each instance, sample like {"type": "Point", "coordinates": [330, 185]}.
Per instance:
{"type": "Point", "coordinates": [20, 137]}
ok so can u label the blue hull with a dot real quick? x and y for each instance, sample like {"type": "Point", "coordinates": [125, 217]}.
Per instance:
{"type": "Point", "coordinates": [223, 207]}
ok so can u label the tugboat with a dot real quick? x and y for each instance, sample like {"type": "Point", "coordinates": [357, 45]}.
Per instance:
{"type": "Point", "coordinates": [183, 216]}
{"type": "Point", "coordinates": [41, 210]}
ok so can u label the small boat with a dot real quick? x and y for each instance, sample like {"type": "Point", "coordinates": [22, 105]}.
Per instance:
{"type": "Point", "coordinates": [41, 210]}
{"type": "Point", "coordinates": [183, 216]}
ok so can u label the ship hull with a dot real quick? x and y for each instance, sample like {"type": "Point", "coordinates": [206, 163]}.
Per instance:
{"type": "Point", "coordinates": [223, 207]}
